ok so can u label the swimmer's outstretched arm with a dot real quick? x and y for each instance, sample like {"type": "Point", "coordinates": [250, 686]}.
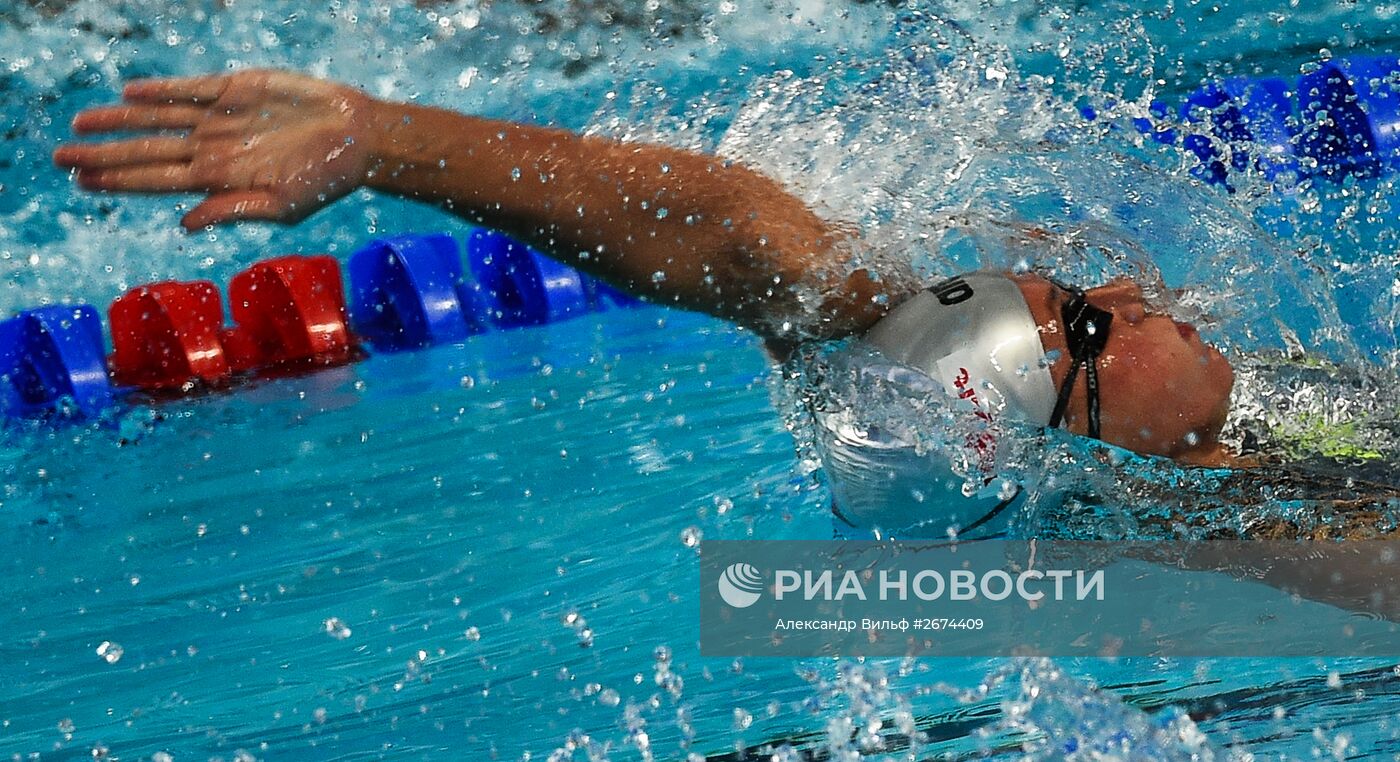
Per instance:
{"type": "Point", "coordinates": [671, 225]}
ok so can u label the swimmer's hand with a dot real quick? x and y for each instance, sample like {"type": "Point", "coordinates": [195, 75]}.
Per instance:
{"type": "Point", "coordinates": [263, 145]}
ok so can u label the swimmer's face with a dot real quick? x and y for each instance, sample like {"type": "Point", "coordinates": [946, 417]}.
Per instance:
{"type": "Point", "coordinates": [1162, 391]}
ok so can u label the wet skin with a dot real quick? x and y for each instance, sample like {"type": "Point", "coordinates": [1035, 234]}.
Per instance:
{"type": "Point", "coordinates": [1162, 390]}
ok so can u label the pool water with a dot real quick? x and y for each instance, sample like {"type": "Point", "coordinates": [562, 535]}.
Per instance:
{"type": "Point", "coordinates": [489, 550]}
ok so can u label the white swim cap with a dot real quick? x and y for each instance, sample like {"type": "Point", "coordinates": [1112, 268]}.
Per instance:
{"type": "Point", "coordinates": [975, 335]}
{"type": "Point", "coordinates": [972, 337]}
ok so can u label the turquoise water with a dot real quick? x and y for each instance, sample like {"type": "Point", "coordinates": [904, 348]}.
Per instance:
{"type": "Point", "coordinates": [489, 550]}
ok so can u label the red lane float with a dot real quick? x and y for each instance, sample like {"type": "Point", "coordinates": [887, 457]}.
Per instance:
{"type": "Point", "coordinates": [288, 310]}
{"type": "Point", "coordinates": [166, 335]}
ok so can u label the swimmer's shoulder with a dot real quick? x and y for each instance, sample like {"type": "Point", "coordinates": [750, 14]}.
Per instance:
{"type": "Point", "coordinates": [851, 310]}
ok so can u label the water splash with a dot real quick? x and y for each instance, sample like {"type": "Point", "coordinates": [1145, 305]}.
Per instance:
{"type": "Point", "coordinates": [946, 157]}
{"type": "Point", "coordinates": [942, 135]}
{"type": "Point", "coordinates": [1061, 718]}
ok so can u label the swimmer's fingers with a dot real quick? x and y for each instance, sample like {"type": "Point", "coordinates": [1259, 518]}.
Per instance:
{"type": "Point", "coordinates": [119, 118]}
{"type": "Point", "coordinates": [125, 153]}
{"type": "Point", "coordinates": [237, 205]}
{"type": "Point", "coordinates": [203, 90]}
{"type": "Point", "coordinates": [147, 178]}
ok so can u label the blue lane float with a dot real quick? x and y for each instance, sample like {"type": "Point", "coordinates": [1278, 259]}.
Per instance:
{"type": "Point", "coordinates": [405, 291]}
{"type": "Point", "coordinates": [522, 287]}
{"type": "Point", "coordinates": [1341, 120]}
{"type": "Point", "coordinates": [607, 297]}
{"type": "Point", "coordinates": [53, 363]}
{"type": "Point", "coordinates": [409, 291]}
{"type": "Point", "coordinates": [1352, 109]}
{"type": "Point", "coordinates": [412, 291]}
{"type": "Point", "coordinates": [1243, 112]}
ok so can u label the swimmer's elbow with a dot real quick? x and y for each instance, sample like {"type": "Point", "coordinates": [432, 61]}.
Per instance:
{"type": "Point", "coordinates": [816, 301]}
{"type": "Point", "coordinates": [859, 302]}
{"type": "Point", "coordinates": [799, 274]}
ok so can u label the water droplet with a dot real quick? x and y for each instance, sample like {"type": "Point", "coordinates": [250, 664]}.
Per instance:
{"type": "Point", "coordinates": [1007, 490]}
{"type": "Point", "coordinates": [336, 628]}
{"type": "Point", "coordinates": [690, 537]}
{"type": "Point", "coordinates": [472, 634]}
{"type": "Point", "coordinates": [515, 173]}
{"type": "Point", "coordinates": [110, 652]}
{"type": "Point", "coordinates": [575, 621]}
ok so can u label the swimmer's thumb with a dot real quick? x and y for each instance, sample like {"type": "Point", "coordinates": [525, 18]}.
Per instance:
{"type": "Point", "coordinates": [233, 206]}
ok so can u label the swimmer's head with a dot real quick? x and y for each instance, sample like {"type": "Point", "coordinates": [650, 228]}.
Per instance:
{"type": "Point", "coordinates": [1010, 345]}
{"type": "Point", "coordinates": [1162, 390]}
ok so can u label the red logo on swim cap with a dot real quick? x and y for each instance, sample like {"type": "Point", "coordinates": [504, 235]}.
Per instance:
{"type": "Point", "coordinates": [984, 442]}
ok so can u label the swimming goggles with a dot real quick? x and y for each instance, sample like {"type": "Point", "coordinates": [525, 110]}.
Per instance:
{"type": "Point", "coordinates": [1086, 335]}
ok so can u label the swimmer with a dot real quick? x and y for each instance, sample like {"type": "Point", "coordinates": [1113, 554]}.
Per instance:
{"type": "Point", "coordinates": [678, 228]}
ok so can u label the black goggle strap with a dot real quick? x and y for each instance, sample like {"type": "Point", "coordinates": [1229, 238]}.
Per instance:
{"type": "Point", "coordinates": [1091, 388]}
{"type": "Point", "coordinates": [1062, 401]}
{"type": "Point", "coordinates": [1086, 333]}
